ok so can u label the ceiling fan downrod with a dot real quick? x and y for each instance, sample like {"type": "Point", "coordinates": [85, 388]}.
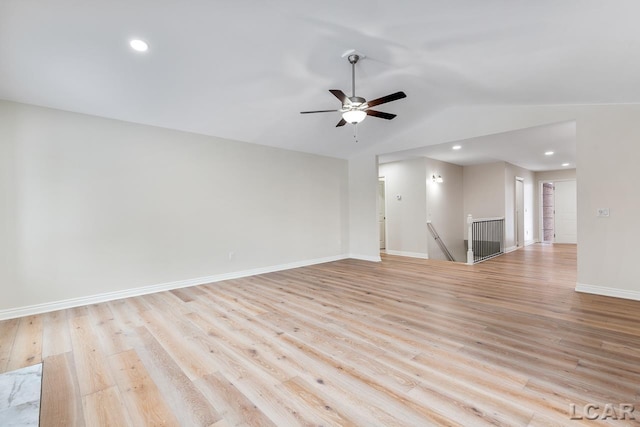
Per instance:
{"type": "Point", "coordinates": [353, 60]}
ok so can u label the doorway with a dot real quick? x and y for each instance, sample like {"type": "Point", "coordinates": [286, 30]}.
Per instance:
{"type": "Point", "coordinates": [548, 212]}
{"type": "Point", "coordinates": [559, 212]}
{"type": "Point", "coordinates": [566, 229]}
{"type": "Point", "coordinates": [382, 228]}
{"type": "Point", "coordinates": [519, 213]}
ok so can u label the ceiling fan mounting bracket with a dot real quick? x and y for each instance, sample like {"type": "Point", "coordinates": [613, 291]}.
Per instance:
{"type": "Point", "coordinates": [351, 52]}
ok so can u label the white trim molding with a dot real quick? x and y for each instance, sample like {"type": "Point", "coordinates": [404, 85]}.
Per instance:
{"type": "Point", "coordinates": [608, 292]}
{"type": "Point", "coordinates": [510, 249]}
{"type": "Point", "coordinates": [408, 254]}
{"type": "Point", "coordinates": [366, 257]}
{"type": "Point", "coordinates": [144, 290]}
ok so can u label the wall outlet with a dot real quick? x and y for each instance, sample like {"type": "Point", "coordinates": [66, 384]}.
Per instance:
{"type": "Point", "coordinates": [603, 212]}
{"type": "Point", "coordinates": [231, 255]}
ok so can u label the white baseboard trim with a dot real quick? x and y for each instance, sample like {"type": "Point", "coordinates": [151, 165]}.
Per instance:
{"type": "Point", "coordinates": [608, 292]}
{"type": "Point", "coordinates": [366, 257]}
{"type": "Point", "coordinates": [144, 290]}
{"type": "Point", "coordinates": [408, 254]}
{"type": "Point", "coordinates": [510, 249]}
{"type": "Point", "coordinates": [529, 242]}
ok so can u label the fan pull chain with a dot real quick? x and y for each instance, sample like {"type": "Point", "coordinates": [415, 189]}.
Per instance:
{"type": "Point", "coordinates": [355, 132]}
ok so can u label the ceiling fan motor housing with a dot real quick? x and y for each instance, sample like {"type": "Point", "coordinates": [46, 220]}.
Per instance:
{"type": "Point", "coordinates": [357, 100]}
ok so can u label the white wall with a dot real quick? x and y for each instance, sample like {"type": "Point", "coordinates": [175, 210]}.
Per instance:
{"type": "Point", "coordinates": [407, 216]}
{"type": "Point", "coordinates": [92, 206]}
{"type": "Point", "coordinates": [445, 209]}
{"type": "Point", "coordinates": [363, 208]}
{"type": "Point", "coordinates": [607, 151]}
{"type": "Point", "coordinates": [562, 175]}
{"type": "Point", "coordinates": [511, 172]}
{"type": "Point", "coordinates": [483, 190]}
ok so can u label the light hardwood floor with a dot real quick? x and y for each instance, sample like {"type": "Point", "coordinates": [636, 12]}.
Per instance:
{"type": "Point", "coordinates": [404, 342]}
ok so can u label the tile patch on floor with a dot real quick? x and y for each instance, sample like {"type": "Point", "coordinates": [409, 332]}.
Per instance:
{"type": "Point", "coordinates": [20, 396]}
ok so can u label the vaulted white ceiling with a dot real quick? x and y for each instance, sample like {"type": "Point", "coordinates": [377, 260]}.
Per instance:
{"type": "Point", "coordinates": [245, 69]}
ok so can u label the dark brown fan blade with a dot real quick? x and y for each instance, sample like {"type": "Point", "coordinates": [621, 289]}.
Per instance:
{"type": "Point", "coordinates": [342, 122]}
{"type": "Point", "coordinates": [388, 98]}
{"type": "Point", "coordinates": [340, 95]}
{"type": "Point", "coordinates": [318, 111]}
{"type": "Point", "coordinates": [380, 114]}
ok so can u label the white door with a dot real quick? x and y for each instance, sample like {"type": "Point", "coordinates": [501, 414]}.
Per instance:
{"type": "Point", "coordinates": [381, 215]}
{"type": "Point", "coordinates": [566, 223]}
{"type": "Point", "coordinates": [519, 214]}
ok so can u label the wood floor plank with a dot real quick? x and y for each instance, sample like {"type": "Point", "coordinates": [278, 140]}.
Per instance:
{"type": "Point", "coordinates": [105, 408]}
{"type": "Point", "coordinates": [187, 403]}
{"type": "Point", "coordinates": [281, 361]}
{"type": "Point", "coordinates": [253, 375]}
{"type": "Point", "coordinates": [8, 331]}
{"type": "Point", "coordinates": [61, 403]}
{"type": "Point", "coordinates": [126, 315]}
{"type": "Point", "coordinates": [27, 345]}
{"type": "Point", "coordinates": [322, 406]}
{"type": "Point", "coordinates": [173, 333]}
{"type": "Point", "coordinates": [233, 406]}
{"type": "Point", "coordinates": [56, 339]}
{"type": "Point", "coordinates": [405, 342]}
{"type": "Point", "coordinates": [386, 405]}
{"type": "Point", "coordinates": [90, 359]}
{"type": "Point", "coordinates": [146, 406]}
{"type": "Point", "coordinates": [112, 336]}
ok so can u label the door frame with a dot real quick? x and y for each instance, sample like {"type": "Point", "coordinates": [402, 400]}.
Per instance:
{"type": "Point", "coordinates": [517, 221]}
{"type": "Point", "coordinates": [541, 211]}
{"type": "Point", "coordinates": [381, 180]}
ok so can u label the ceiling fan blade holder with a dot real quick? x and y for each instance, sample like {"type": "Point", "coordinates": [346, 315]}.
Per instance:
{"type": "Point", "coordinates": [342, 122]}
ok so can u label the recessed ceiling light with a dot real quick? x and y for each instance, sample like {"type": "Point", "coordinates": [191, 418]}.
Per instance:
{"type": "Point", "coordinates": [548, 153]}
{"type": "Point", "coordinates": [565, 164]}
{"type": "Point", "coordinates": [456, 147]}
{"type": "Point", "coordinates": [139, 45]}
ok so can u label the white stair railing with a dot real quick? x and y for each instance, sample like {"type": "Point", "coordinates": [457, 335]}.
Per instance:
{"type": "Point", "coordinates": [485, 238]}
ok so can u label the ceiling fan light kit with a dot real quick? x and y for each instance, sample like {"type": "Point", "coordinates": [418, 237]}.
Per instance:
{"type": "Point", "coordinates": [354, 116]}
{"type": "Point", "coordinates": [355, 108]}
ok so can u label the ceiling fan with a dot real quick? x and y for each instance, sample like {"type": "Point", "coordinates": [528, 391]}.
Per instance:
{"type": "Point", "coordinates": [355, 108]}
